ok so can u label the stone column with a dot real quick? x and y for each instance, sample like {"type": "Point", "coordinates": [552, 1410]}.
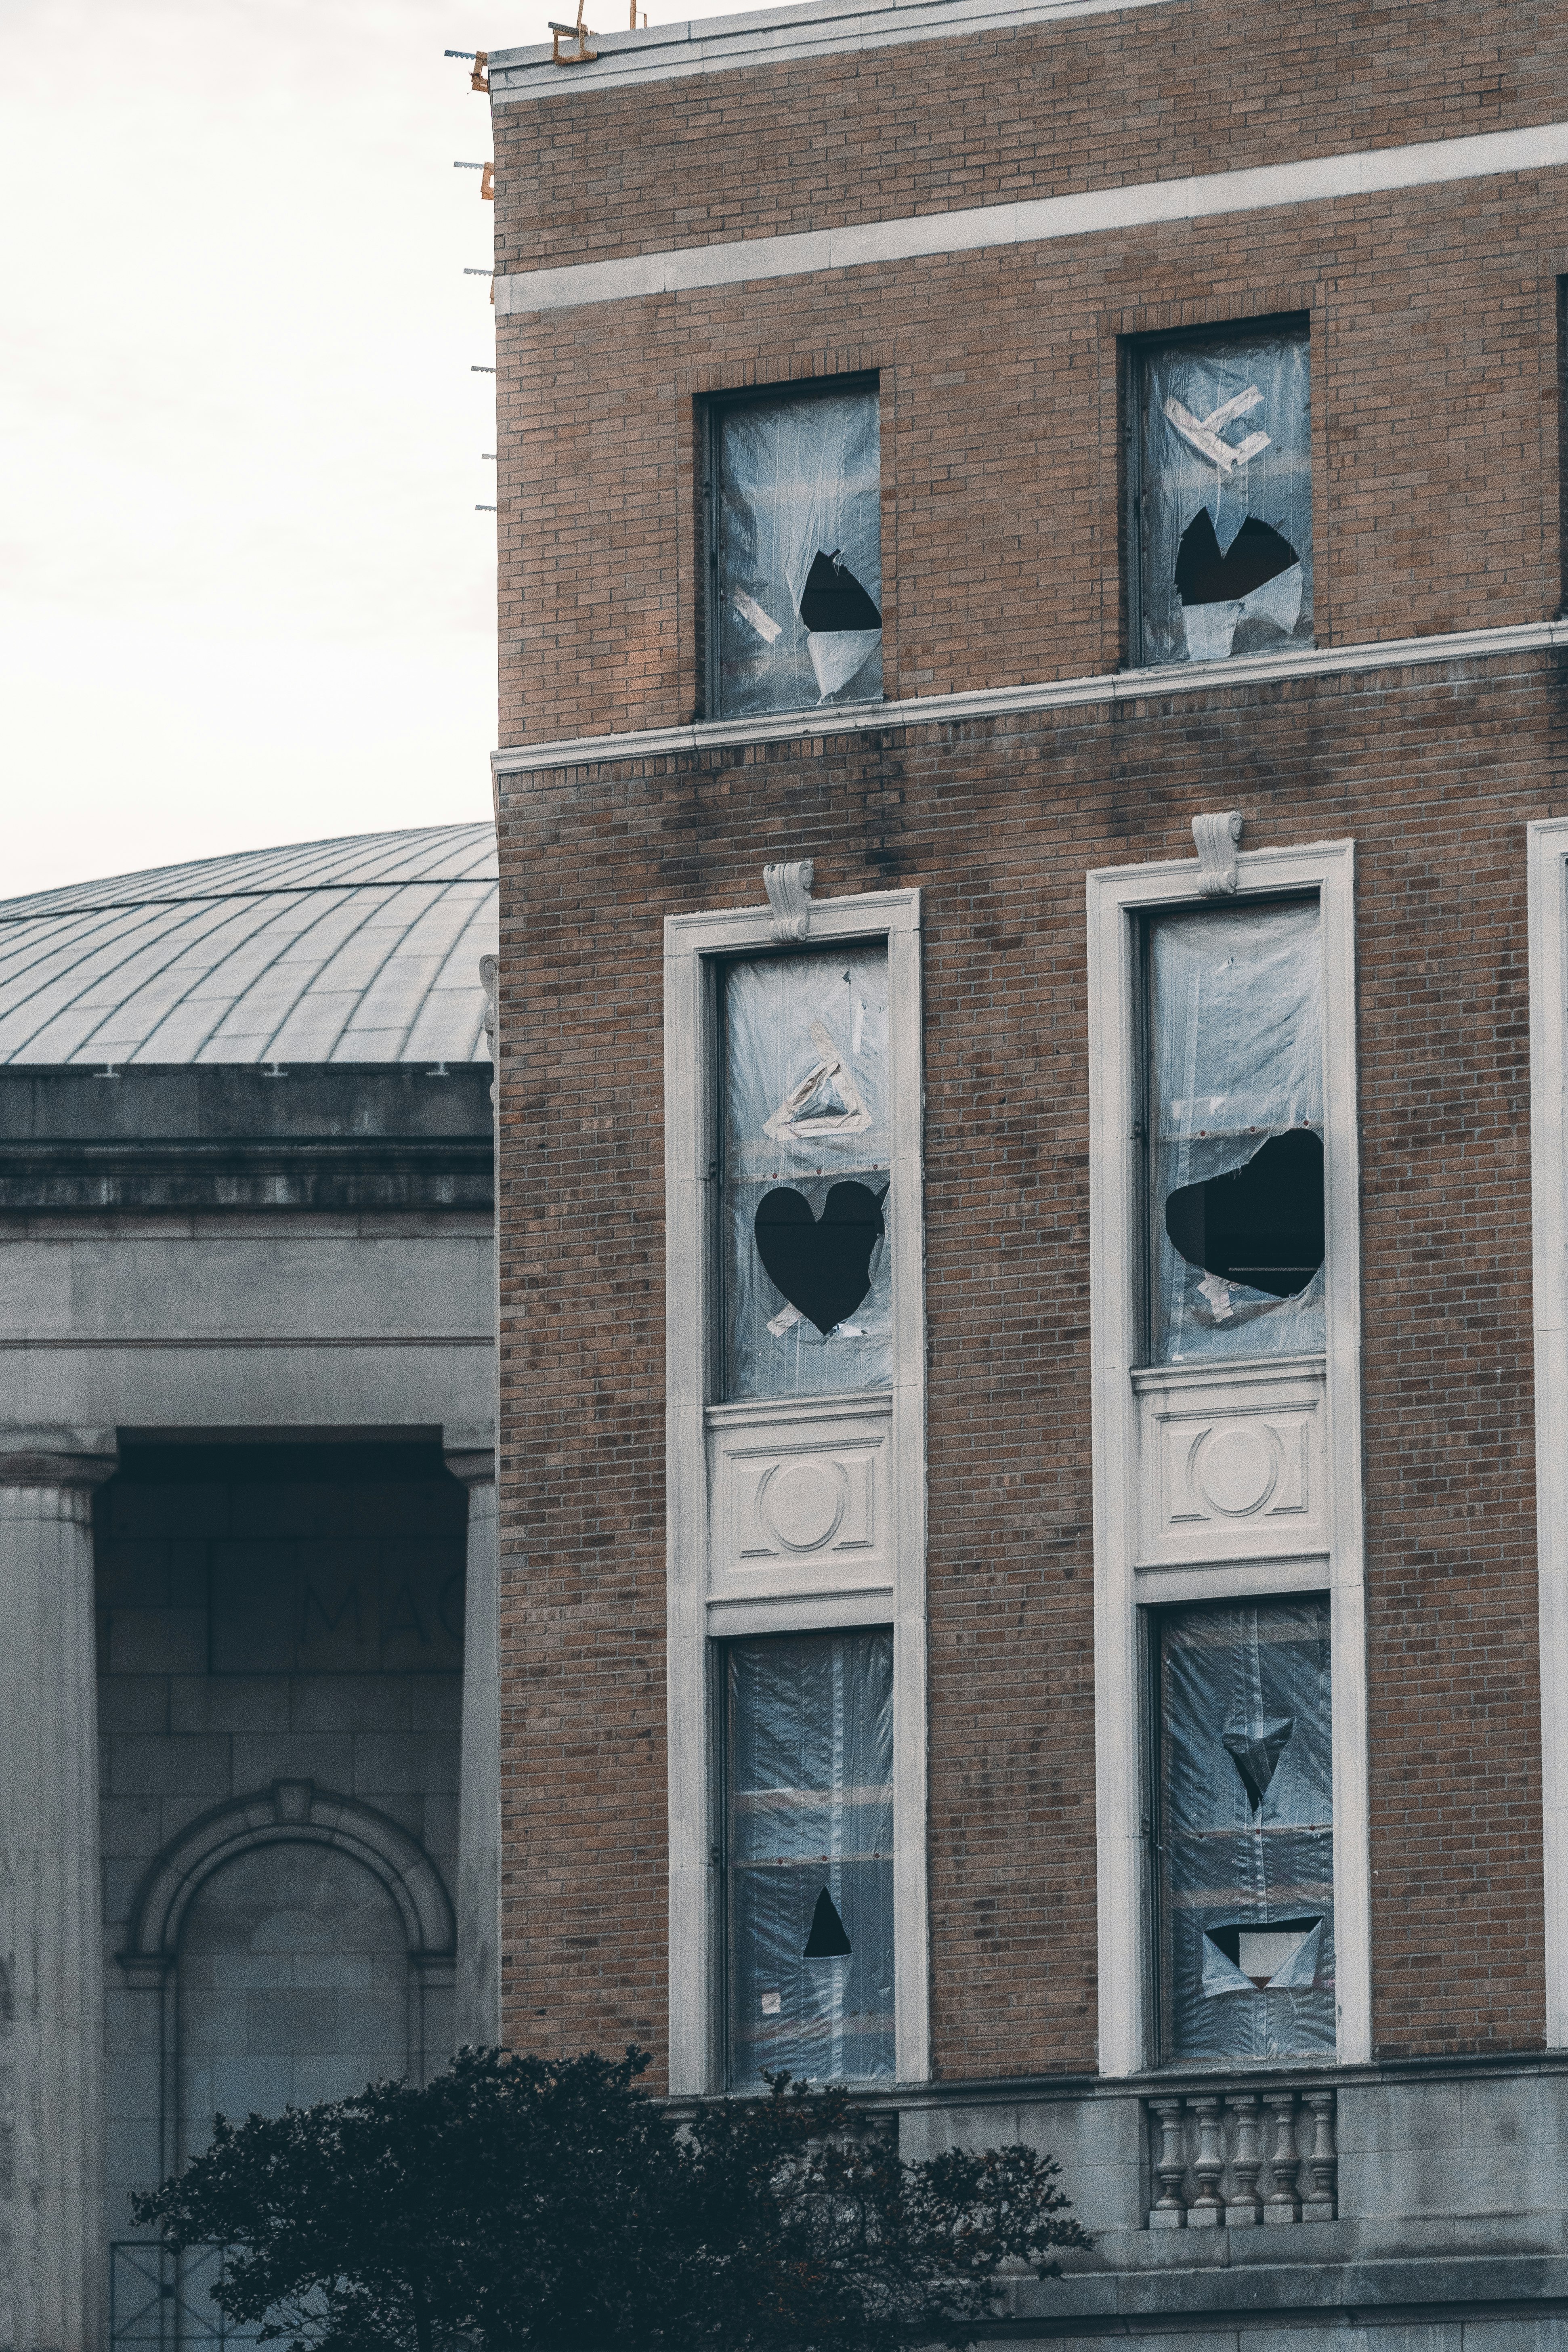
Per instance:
{"type": "Point", "coordinates": [53, 2257]}
{"type": "Point", "coordinates": [479, 1808]}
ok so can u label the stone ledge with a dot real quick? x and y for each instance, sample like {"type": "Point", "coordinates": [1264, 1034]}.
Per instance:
{"type": "Point", "coordinates": [1420, 2285]}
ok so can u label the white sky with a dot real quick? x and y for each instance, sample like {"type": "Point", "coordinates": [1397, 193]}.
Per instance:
{"type": "Point", "coordinates": [245, 596]}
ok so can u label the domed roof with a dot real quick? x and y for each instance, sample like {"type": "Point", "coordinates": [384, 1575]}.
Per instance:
{"type": "Point", "coordinates": [364, 950]}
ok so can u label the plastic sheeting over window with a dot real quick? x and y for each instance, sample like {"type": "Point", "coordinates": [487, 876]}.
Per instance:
{"type": "Point", "coordinates": [1247, 1832]}
{"type": "Point", "coordinates": [1226, 497]}
{"type": "Point", "coordinates": [810, 1857]}
{"type": "Point", "coordinates": [799, 557]}
{"type": "Point", "coordinates": [1236, 1130]}
{"type": "Point", "coordinates": [807, 1204]}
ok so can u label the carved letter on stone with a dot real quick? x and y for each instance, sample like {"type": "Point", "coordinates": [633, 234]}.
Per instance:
{"type": "Point", "coordinates": [1217, 837]}
{"type": "Point", "coordinates": [789, 896]}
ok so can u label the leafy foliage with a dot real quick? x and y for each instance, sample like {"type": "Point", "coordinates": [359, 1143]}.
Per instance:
{"type": "Point", "coordinates": [530, 2205]}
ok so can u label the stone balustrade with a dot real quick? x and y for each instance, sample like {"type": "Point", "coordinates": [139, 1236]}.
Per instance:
{"type": "Point", "coordinates": [1240, 2157]}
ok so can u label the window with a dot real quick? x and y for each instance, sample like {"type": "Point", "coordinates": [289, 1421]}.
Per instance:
{"type": "Point", "coordinates": [1245, 1833]}
{"type": "Point", "coordinates": [1236, 1085]}
{"type": "Point", "coordinates": [1222, 494]}
{"type": "Point", "coordinates": [795, 552]}
{"type": "Point", "coordinates": [1230, 1641]}
{"type": "Point", "coordinates": [810, 1856]}
{"type": "Point", "coordinates": [807, 1156]}
{"type": "Point", "coordinates": [795, 1493]}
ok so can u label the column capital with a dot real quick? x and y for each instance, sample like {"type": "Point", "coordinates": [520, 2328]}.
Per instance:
{"type": "Point", "coordinates": [474, 1464]}
{"type": "Point", "coordinates": [52, 1454]}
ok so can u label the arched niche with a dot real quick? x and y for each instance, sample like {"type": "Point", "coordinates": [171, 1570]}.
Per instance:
{"type": "Point", "coordinates": [402, 1892]}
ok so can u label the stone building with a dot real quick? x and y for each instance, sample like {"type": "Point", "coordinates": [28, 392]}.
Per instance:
{"type": "Point", "coordinates": [1034, 1378]}
{"type": "Point", "coordinates": [246, 1423]}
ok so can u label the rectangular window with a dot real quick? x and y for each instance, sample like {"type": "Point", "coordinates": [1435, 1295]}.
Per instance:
{"type": "Point", "coordinates": [807, 1154]}
{"type": "Point", "coordinates": [809, 1853]}
{"type": "Point", "coordinates": [796, 552]}
{"type": "Point", "coordinates": [1245, 1834]}
{"type": "Point", "coordinates": [1222, 495]}
{"type": "Point", "coordinates": [1235, 1126]}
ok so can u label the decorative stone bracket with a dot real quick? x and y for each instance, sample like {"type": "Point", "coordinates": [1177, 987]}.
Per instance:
{"type": "Point", "coordinates": [1218, 837]}
{"type": "Point", "coordinates": [1239, 2157]}
{"type": "Point", "coordinates": [789, 896]}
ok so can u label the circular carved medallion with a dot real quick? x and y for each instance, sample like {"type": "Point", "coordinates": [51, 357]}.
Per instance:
{"type": "Point", "coordinates": [1234, 1469]}
{"type": "Point", "coordinates": [801, 1503]}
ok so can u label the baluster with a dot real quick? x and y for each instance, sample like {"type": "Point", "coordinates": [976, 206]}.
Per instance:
{"type": "Point", "coordinates": [1244, 2208]}
{"type": "Point", "coordinates": [1282, 2205]}
{"type": "Point", "coordinates": [1170, 2212]}
{"type": "Point", "coordinates": [1319, 2203]}
{"type": "Point", "coordinates": [1208, 2208]}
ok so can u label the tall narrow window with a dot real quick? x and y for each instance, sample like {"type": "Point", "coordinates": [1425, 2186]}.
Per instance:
{"type": "Point", "coordinates": [1246, 1847]}
{"type": "Point", "coordinates": [1224, 495]}
{"type": "Point", "coordinates": [810, 1856]}
{"type": "Point", "coordinates": [805, 1199]}
{"type": "Point", "coordinates": [795, 553]}
{"type": "Point", "coordinates": [1236, 1082]}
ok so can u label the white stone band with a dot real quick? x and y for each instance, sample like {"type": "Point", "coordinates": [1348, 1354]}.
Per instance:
{"type": "Point", "coordinates": [1054, 694]}
{"type": "Point", "coordinates": [1321, 180]}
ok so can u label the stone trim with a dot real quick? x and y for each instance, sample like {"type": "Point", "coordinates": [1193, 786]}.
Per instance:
{"type": "Point", "coordinates": [669, 52]}
{"type": "Point", "coordinates": [290, 1812]}
{"type": "Point", "coordinates": [1547, 876]}
{"type": "Point", "coordinates": [1056, 694]}
{"type": "Point", "coordinates": [1320, 179]}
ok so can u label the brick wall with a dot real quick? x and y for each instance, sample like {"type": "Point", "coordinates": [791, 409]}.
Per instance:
{"type": "Point", "coordinates": [1434, 774]}
{"type": "Point", "coordinates": [989, 116]}
{"type": "Point", "coordinates": [1433, 325]}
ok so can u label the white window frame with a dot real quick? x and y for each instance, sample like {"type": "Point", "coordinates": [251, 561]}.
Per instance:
{"type": "Point", "coordinates": [703, 1610]}
{"type": "Point", "coordinates": [1547, 868]}
{"type": "Point", "coordinates": [1119, 897]}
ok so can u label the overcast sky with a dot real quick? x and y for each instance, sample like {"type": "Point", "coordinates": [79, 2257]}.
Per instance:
{"type": "Point", "coordinates": [245, 595]}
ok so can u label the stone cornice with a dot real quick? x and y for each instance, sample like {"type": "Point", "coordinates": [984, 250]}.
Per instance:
{"type": "Point", "coordinates": [1130, 685]}
{"type": "Point", "coordinates": [771, 37]}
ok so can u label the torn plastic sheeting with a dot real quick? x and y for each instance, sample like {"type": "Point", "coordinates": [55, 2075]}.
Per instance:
{"type": "Point", "coordinates": [806, 1115]}
{"type": "Point", "coordinates": [800, 545]}
{"type": "Point", "coordinates": [766, 627]}
{"type": "Point", "coordinates": [1256, 576]}
{"type": "Point", "coordinates": [1236, 1049]}
{"type": "Point", "coordinates": [825, 1101]}
{"type": "Point", "coordinates": [810, 1856]}
{"type": "Point", "coordinates": [1254, 485]}
{"type": "Point", "coordinates": [1243, 1880]}
{"type": "Point", "coordinates": [1205, 431]}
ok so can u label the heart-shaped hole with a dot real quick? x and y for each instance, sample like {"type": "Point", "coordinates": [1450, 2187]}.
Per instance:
{"type": "Point", "coordinates": [823, 1265]}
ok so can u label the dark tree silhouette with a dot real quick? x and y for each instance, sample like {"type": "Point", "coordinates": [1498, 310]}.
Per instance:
{"type": "Point", "coordinates": [520, 2204]}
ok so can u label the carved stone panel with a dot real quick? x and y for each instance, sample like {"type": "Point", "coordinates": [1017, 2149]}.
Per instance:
{"type": "Point", "coordinates": [1232, 1466]}
{"type": "Point", "coordinates": [798, 1499]}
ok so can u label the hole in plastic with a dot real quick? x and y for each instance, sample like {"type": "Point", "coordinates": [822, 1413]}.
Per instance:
{"type": "Point", "coordinates": [1261, 1225]}
{"type": "Point", "coordinates": [1256, 554]}
{"type": "Point", "coordinates": [823, 1266]}
{"type": "Point", "coordinates": [828, 1939]}
{"type": "Point", "coordinates": [1262, 1951]}
{"type": "Point", "coordinates": [833, 599]}
{"type": "Point", "coordinates": [1256, 1754]}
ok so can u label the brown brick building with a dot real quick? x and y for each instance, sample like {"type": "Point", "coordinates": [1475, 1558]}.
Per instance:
{"type": "Point", "coordinates": [1035, 1366]}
